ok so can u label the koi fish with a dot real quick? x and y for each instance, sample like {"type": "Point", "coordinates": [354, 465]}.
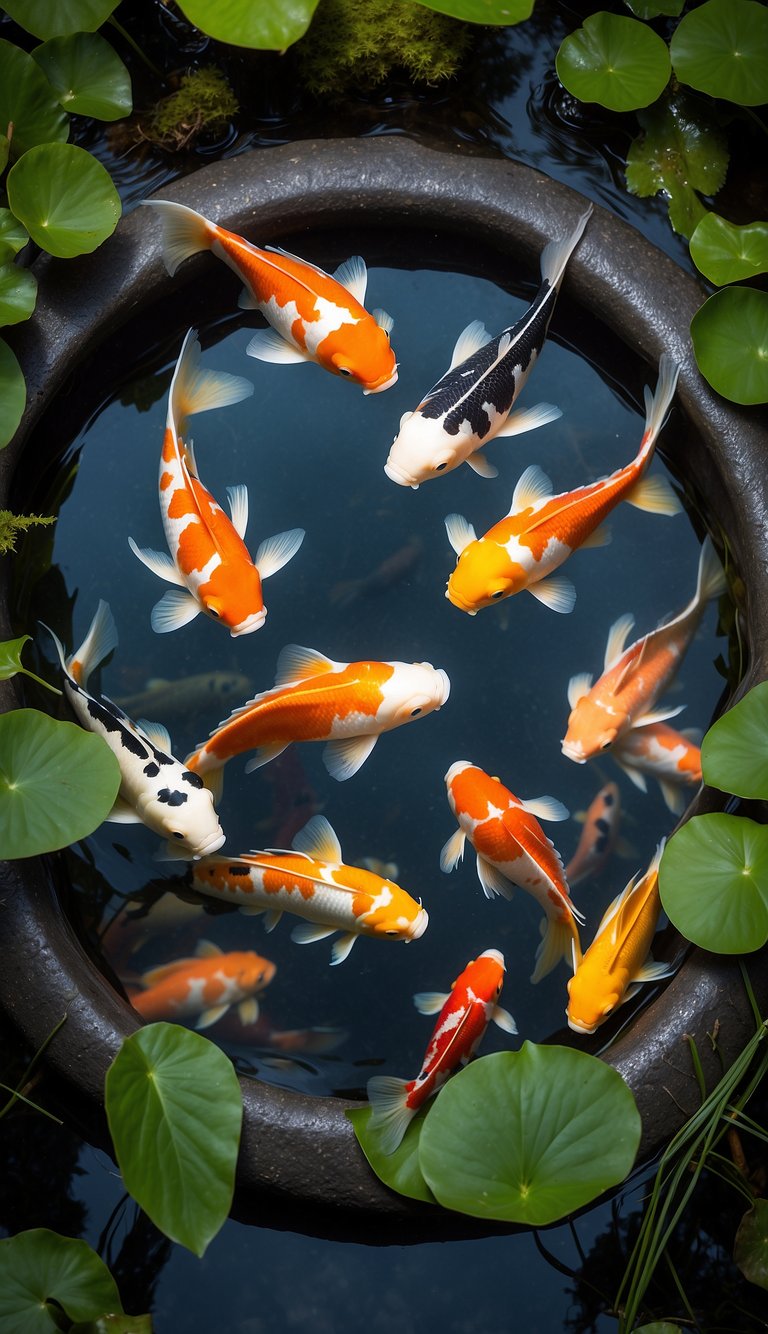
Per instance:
{"type": "Point", "coordinates": [155, 789]}
{"type": "Point", "coordinates": [209, 561]}
{"type": "Point", "coordinates": [512, 849]}
{"type": "Point", "coordinates": [471, 404]}
{"type": "Point", "coordinates": [634, 678]}
{"type": "Point", "coordinates": [463, 1016]}
{"type": "Point", "coordinates": [293, 801]}
{"type": "Point", "coordinates": [672, 758]}
{"type": "Point", "coordinates": [541, 531]}
{"type": "Point", "coordinates": [598, 836]}
{"type": "Point", "coordinates": [206, 986]}
{"type": "Point", "coordinates": [162, 698]}
{"type": "Point", "coordinates": [346, 704]}
{"type": "Point", "coordinates": [313, 316]}
{"type": "Point", "coordinates": [314, 883]}
{"type": "Point", "coordinates": [391, 570]}
{"type": "Point", "coordinates": [618, 961]}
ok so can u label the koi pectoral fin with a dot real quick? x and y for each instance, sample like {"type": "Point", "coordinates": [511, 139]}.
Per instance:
{"type": "Point", "coordinates": [267, 345]}
{"type": "Point", "coordinates": [211, 1016]}
{"type": "Point", "coordinates": [492, 880]}
{"type": "Point", "coordinates": [123, 813]}
{"type": "Point", "coordinates": [528, 419]}
{"type": "Point", "coordinates": [276, 551]}
{"type": "Point", "coordinates": [175, 609]}
{"type": "Point", "coordinates": [555, 592]}
{"type": "Point", "coordinates": [343, 758]}
{"type": "Point", "coordinates": [504, 1019]}
{"type": "Point", "coordinates": [480, 465]}
{"type": "Point", "coordinates": [453, 851]}
{"type": "Point", "coordinates": [430, 1002]}
{"type": "Point", "coordinates": [260, 757]}
{"type": "Point", "coordinates": [655, 495]}
{"type": "Point", "coordinates": [248, 1010]}
{"type": "Point", "coordinates": [342, 946]}
{"type": "Point", "coordinates": [159, 562]}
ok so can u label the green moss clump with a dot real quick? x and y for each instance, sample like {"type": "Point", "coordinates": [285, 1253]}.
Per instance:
{"type": "Point", "coordinates": [12, 525]}
{"type": "Point", "coordinates": [357, 43]}
{"type": "Point", "coordinates": [203, 103]}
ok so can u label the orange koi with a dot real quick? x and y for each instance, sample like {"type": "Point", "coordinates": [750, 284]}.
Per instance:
{"type": "Point", "coordinates": [206, 986]}
{"type": "Point", "coordinates": [209, 562]}
{"type": "Point", "coordinates": [598, 836]}
{"type": "Point", "coordinates": [541, 531]}
{"type": "Point", "coordinates": [346, 704]}
{"type": "Point", "coordinates": [618, 961]}
{"type": "Point", "coordinates": [314, 883]}
{"type": "Point", "coordinates": [512, 849]}
{"type": "Point", "coordinates": [313, 316]}
{"type": "Point", "coordinates": [635, 678]}
{"type": "Point", "coordinates": [672, 758]}
{"type": "Point", "coordinates": [464, 1014]}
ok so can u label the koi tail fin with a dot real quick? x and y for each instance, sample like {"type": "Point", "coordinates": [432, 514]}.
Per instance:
{"type": "Point", "coordinates": [391, 1117]}
{"type": "Point", "coordinates": [196, 390]}
{"type": "Point", "coordinates": [711, 581]}
{"type": "Point", "coordinates": [556, 254]}
{"type": "Point", "coordinates": [99, 642]}
{"type": "Point", "coordinates": [559, 940]}
{"type": "Point", "coordinates": [185, 232]}
{"type": "Point", "coordinates": [657, 404]}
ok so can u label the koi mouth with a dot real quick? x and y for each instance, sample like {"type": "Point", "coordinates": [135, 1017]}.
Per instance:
{"type": "Point", "coordinates": [386, 384]}
{"type": "Point", "coordinates": [580, 1028]}
{"type": "Point", "coordinates": [396, 474]}
{"type": "Point", "coordinates": [211, 844]}
{"type": "Point", "coordinates": [574, 751]}
{"type": "Point", "coordinates": [458, 602]}
{"type": "Point", "coordinates": [420, 924]}
{"type": "Point", "coordinates": [252, 623]}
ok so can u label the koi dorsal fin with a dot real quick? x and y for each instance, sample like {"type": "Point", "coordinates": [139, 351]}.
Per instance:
{"type": "Point", "coordinates": [534, 485]}
{"type": "Point", "coordinates": [617, 638]}
{"type": "Point", "coordinates": [578, 687]}
{"type": "Point", "coordinates": [157, 735]}
{"type": "Point", "coordinates": [318, 840]}
{"type": "Point", "coordinates": [469, 341]}
{"type": "Point", "coordinates": [383, 320]}
{"type": "Point", "coordinates": [460, 532]}
{"type": "Point", "coordinates": [353, 275]}
{"type": "Point", "coordinates": [207, 950]}
{"type": "Point", "coordinates": [296, 663]}
{"type": "Point", "coordinates": [166, 970]}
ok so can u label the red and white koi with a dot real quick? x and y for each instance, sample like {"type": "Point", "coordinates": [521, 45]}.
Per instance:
{"type": "Point", "coordinates": [618, 961]}
{"type": "Point", "coordinates": [155, 789]}
{"type": "Point", "coordinates": [471, 404]}
{"type": "Point", "coordinates": [346, 704]}
{"type": "Point", "coordinates": [209, 562]}
{"type": "Point", "coordinates": [634, 678]}
{"type": "Point", "coordinates": [512, 849]}
{"type": "Point", "coordinates": [314, 883]}
{"type": "Point", "coordinates": [313, 316]}
{"type": "Point", "coordinates": [598, 836]}
{"type": "Point", "coordinates": [205, 986]}
{"type": "Point", "coordinates": [542, 530]}
{"type": "Point", "coordinates": [658, 751]}
{"type": "Point", "coordinates": [463, 1016]}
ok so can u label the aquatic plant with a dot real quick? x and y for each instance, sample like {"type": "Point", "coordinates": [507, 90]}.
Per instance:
{"type": "Point", "coordinates": [49, 1282]}
{"type": "Point", "coordinates": [12, 525]}
{"type": "Point", "coordinates": [203, 103]}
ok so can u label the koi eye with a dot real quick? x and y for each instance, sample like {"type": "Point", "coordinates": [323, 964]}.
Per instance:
{"type": "Point", "coordinates": [343, 370]}
{"type": "Point", "coordinates": [177, 835]}
{"type": "Point", "coordinates": [214, 613]}
{"type": "Point", "coordinates": [605, 745]}
{"type": "Point", "coordinates": [440, 467]}
{"type": "Point", "coordinates": [415, 713]}
{"type": "Point", "coordinates": [390, 933]}
{"type": "Point", "coordinates": [498, 594]}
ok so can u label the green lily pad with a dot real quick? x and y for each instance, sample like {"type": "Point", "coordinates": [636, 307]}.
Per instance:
{"type": "Point", "coordinates": [174, 1109]}
{"type": "Point", "coordinates": [65, 198]}
{"type": "Point", "coordinates": [680, 151]}
{"type": "Point", "coordinates": [87, 75]}
{"type": "Point", "coordinates": [493, 12]}
{"type": "Point", "coordinates": [27, 100]}
{"type": "Point", "coordinates": [713, 882]}
{"type": "Point", "coordinates": [18, 293]}
{"type": "Point", "coordinates": [13, 237]}
{"type": "Point", "coordinates": [13, 394]}
{"type": "Point", "coordinates": [521, 1136]}
{"type": "Point", "coordinates": [57, 783]}
{"type": "Point", "coordinates": [399, 1170]}
{"type": "Point", "coordinates": [5, 151]}
{"type": "Point", "coordinates": [11, 664]}
{"type": "Point", "coordinates": [750, 1248]}
{"type": "Point", "coordinates": [733, 757]}
{"type": "Point", "coordinates": [652, 9]}
{"type": "Point", "coordinates": [725, 253]}
{"type": "Point", "coordinates": [265, 27]}
{"type": "Point", "coordinates": [615, 61]}
{"type": "Point", "coordinates": [43, 1274]}
{"type": "Point", "coordinates": [59, 18]}
{"type": "Point", "coordinates": [730, 343]}
{"type": "Point", "coordinates": [721, 48]}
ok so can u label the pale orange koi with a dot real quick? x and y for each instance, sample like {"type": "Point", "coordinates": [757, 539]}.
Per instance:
{"type": "Point", "coordinates": [206, 986]}
{"type": "Point", "coordinates": [598, 836]}
{"type": "Point", "coordinates": [658, 751]}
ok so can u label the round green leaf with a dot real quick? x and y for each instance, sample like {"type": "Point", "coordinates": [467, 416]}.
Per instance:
{"type": "Point", "coordinates": [12, 235]}
{"type": "Point", "coordinates": [58, 18]}
{"type": "Point", "coordinates": [733, 758]}
{"type": "Point", "coordinates": [521, 1136]}
{"type": "Point", "coordinates": [492, 12]}
{"type": "Point", "coordinates": [27, 99]}
{"type": "Point", "coordinates": [40, 1272]}
{"type": "Point", "coordinates": [615, 61]}
{"type": "Point", "coordinates": [713, 882]}
{"type": "Point", "coordinates": [725, 253]}
{"type": "Point", "coordinates": [266, 27]}
{"type": "Point", "coordinates": [399, 1170]}
{"type": "Point", "coordinates": [750, 1248]}
{"type": "Point", "coordinates": [721, 48]}
{"type": "Point", "coordinates": [18, 293]}
{"type": "Point", "coordinates": [730, 343]}
{"type": "Point", "coordinates": [65, 198]}
{"type": "Point", "coordinates": [88, 77]}
{"type": "Point", "coordinates": [57, 783]}
{"type": "Point", "coordinates": [174, 1108]}
{"type": "Point", "coordinates": [13, 394]}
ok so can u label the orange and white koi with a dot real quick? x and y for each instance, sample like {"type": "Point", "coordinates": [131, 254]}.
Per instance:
{"type": "Point", "coordinates": [598, 836]}
{"type": "Point", "coordinates": [512, 849]}
{"type": "Point", "coordinates": [464, 1014]}
{"type": "Point", "coordinates": [205, 986]}
{"type": "Point", "coordinates": [346, 704]}
{"type": "Point", "coordinates": [541, 531]}
{"type": "Point", "coordinates": [313, 316]}
{"type": "Point", "coordinates": [314, 883]}
{"type": "Point", "coordinates": [634, 678]}
{"type": "Point", "coordinates": [618, 961]}
{"type": "Point", "coordinates": [672, 758]}
{"type": "Point", "coordinates": [209, 562]}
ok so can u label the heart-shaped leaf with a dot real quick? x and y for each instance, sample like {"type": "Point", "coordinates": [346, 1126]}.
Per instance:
{"type": "Point", "coordinates": [27, 100]}
{"type": "Point", "coordinates": [399, 1170]}
{"type": "Point", "coordinates": [11, 664]}
{"type": "Point", "coordinates": [13, 394]}
{"type": "Point", "coordinates": [680, 151]}
{"type": "Point", "coordinates": [43, 1274]}
{"type": "Point", "coordinates": [65, 198]}
{"type": "Point", "coordinates": [521, 1136]}
{"type": "Point", "coordinates": [12, 235]}
{"type": "Point", "coordinates": [713, 881]}
{"type": "Point", "coordinates": [495, 12]}
{"type": "Point", "coordinates": [730, 343]}
{"type": "Point", "coordinates": [721, 48]}
{"type": "Point", "coordinates": [18, 293]}
{"type": "Point", "coordinates": [615, 61]}
{"type": "Point", "coordinates": [265, 27]}
{"type": "Point", "coordinates": [733, 755]}
{"type": "Point", "coordinates": [750, 1248]}
{"type": "Point", "coordinates": [57, 783]}
{"type": "Point", "coordinates": [87, 75]}
{"type": "Point", "coordinates": [59, 18]}
{"type": "Point", "coordinates": [175, 1108]}
{"type": "Point", "coordinates": [725, 253]}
